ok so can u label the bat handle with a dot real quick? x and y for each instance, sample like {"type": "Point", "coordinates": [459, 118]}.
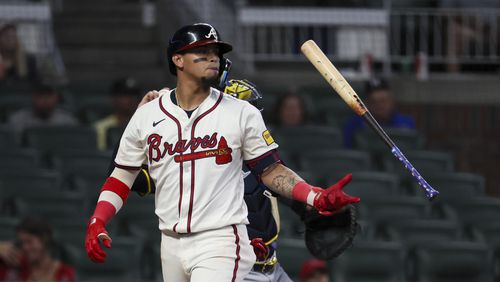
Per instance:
{"type": "Point", "coordinates": [430, 192]}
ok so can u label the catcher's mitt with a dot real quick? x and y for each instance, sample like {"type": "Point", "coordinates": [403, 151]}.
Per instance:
{"type": "Point", "coordinates": [329, 236]}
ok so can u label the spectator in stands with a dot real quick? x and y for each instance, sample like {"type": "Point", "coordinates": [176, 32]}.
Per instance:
{"type": "Point", "coordinates": [382, 105]}
{"type": "Point", "coordinates": [30, 258]}
{"type": "Point", "coordinates": [125, 94]}
{"type": "Point", "coordinates": [15, 63]}
{"type": "Point", "coordinates": [314, 271]}
{"type": "Point", "coordinates": [43, 112]}
{"type": "Point", "coordinates": [290, 110]}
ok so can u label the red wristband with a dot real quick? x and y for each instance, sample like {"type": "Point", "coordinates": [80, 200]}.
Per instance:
{"type": "Point", "coordinates": [104, 211]}
{"type": "Point", "coordinates": [304, 193]}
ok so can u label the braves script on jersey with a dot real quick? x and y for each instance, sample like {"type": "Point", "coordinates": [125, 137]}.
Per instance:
{"type": "Point", "coordinates": [196, 162]}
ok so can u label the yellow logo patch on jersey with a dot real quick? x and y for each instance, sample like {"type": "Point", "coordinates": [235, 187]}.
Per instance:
{"type": "Point", "coordinates": [267, 137]}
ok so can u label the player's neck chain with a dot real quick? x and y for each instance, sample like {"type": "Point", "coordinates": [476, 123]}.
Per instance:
{"type": "Point", "coordinates": [177, 102]}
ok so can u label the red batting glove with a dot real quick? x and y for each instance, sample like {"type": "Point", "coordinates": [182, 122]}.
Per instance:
{"type": "Point", "coordinates": [328, 201]}
{"type": "Point", "coordinates": [333, 199]}
{"type": "Point", "coordinates": [95, 233]}
{"type": "Point", "coordinates": [260, 249]}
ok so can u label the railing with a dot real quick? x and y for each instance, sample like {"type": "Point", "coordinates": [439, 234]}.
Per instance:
{"type": "Point", "coordinates": [275, 34]}
{"type": "Point", "coordinates": [446, 35]}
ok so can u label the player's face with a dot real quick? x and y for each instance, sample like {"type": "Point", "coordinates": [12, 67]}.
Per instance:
{"type": "Point", "coordinates": [202, 63]}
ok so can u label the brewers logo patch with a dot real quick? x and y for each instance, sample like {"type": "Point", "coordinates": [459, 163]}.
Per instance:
{"type": "Point", "coordinates": [267, 137]}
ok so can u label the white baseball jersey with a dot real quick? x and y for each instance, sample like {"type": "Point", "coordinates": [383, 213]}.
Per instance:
{"type": "Point", "coordinates": [196, 161]}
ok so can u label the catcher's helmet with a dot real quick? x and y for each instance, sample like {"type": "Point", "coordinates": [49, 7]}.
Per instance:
{"type": "Point", "coordinates": [192, 36]}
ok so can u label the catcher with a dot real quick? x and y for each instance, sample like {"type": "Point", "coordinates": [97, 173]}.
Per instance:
{"type": "Point", "coordinates": [326, 236]}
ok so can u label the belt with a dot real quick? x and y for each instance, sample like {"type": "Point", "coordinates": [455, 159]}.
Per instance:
{"type": "Point", "coordinates": [266, 266]}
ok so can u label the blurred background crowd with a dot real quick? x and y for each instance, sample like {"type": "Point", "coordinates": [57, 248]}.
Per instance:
{"type": "Point", "coordinates": [72, 73]}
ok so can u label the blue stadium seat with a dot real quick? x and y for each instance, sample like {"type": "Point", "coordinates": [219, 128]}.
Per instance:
{"type": "Point", "coordinates": [370, 261]}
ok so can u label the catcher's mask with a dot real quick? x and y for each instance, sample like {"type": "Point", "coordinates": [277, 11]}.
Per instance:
{"type": "Point", "coordinates": [244, 90]}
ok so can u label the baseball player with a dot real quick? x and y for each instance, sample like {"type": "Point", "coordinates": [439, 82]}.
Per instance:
{"type": "Point", "coordinates": [195, 139]}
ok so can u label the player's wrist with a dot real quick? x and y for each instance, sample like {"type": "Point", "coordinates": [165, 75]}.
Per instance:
{"type": "Point", "coordinates": [305, 193]}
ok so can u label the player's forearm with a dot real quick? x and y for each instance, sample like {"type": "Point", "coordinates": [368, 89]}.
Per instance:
{"type": "Point", "coordinates": [280, 179]}
{"type": "Point", "coordinates": [114, 193]}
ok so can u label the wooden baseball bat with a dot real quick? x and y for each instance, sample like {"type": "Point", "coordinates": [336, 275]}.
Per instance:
{"type": "Point", "coordinates": [321, 62]}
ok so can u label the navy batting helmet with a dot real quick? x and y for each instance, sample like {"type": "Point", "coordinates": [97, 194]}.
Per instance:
{"type": "Point", "coordinates": [192, 36]}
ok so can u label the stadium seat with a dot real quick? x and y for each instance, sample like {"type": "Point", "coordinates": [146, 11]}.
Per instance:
{"type": "Point", "coordinates": [10, 103]}
{"type": "Point", "coordinates": [114, 135]}
{"type": "Point", "coordinates": [333, 110]}
{"type": "Point", "coordinates": [453, 262]}
{"type": "Point", "coordinates": [366, 231]}
{"type": "Point", "coordinates": [62, 205]}
{"type": "Point", "coordinates": [82, 162]}
{"type": "Point", "coordinates": [93, 107]}
{"type": "Point", "coordinates": [415, 232]}
{"type": "Point", "coordinates": [8, 137]}
{"type": "Point", "coordinates": [291, 254]}
{"type": "Point", "coordinates": [8, 228]}
{"type": "Point", "coordinates": [477, 210]}
{"type": "Point", "coordinates": [291, 225]}
{"type": "Point", "coordinates": [339, 162]}
{"type": "Point", "coordinates": [89, 185]}
{"type": "Point", "coordinates": [121, 262]}
{"type": "Point", "coordinates": [138, 217]}
{"type": "Point", "coordinates": [426, 162]}
{"type": "Point", "coordinates": [457, 186]}
{"type": "Point", "coordinates": [13, 158]}
{"type": "Point", "coordinates": [370, 261]}
{"type": "Point", "coordinates": [394, 208]}
{"type": "Point", "coordinates": [41, 182]}
{"type": "Point", "coordinates": [54, 139]}
{"type": "Point", "coordinates": [370, 184]}
{"type": "Point", "coordinates": [405, 139]}
{"type": "Point", "coordinates": [305, 139]}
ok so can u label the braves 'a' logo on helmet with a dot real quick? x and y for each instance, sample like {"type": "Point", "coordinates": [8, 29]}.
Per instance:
{"type": "Point", "coordinates": [212, 33]}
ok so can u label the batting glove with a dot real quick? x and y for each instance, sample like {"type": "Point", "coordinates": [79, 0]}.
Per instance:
{"type": "Point", "coordinates": [260, 249]}
{"type": "Point", "coordinates": [95, 233]}
{"type": "Point", "coordinates": [332, 200]}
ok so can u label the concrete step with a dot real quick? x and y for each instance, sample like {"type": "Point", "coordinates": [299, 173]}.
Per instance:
{"type": "Point", "coordinates": [132, 57]}
{"type": "Point", "coordinates": [146, 76]}
{"type": "Point", "coordinates": [106, 35]}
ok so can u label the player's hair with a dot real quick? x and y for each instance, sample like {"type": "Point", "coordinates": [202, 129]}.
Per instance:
{"type": "Point", "coordinates": [37, 227]}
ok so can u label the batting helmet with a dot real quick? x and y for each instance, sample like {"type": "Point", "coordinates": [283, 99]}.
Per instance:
{"type": "Point", "coordinates": [192, 36]}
